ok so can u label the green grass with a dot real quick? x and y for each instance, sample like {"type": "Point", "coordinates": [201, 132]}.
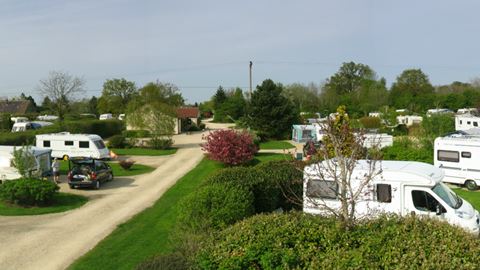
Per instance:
{"type": "Point", "coordinates": [270, 145]}
{"type": "Point", "coordinates": [147, 233]}
{"type": "Point", "coordinates": [61, 202]}
{"type": "Point", "coordinates": [136, 169]}
{"type": "Point", "coordinates": [472, 197]}
{"type": "Point", "coordinates": [143, 152]}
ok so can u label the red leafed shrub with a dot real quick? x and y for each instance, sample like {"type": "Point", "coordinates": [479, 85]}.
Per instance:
{"type": "Point", "coordinates": [230, 147]}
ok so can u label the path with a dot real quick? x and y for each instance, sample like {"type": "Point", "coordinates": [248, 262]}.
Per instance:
{"type": "Point", "coordinates": [54, 241]}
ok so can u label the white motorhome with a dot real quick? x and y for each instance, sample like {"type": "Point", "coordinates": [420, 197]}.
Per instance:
{"type": "Point", "coordinates": [42, 159]}
{"type": "Point", "coordinates": [65, 145]}
{"type": "Point", "coordinates": [466, 122]}
{"type": "Point", "coordinates": [459, 157]}
{"type": "Point", "coordinates": [105, 116]}
{"type": "Point", "coordinates": [402, 187]}
{"type": "Point", "coordinates": [467, 111]}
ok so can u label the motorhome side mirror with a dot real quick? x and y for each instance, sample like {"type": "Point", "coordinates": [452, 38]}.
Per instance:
{"type": "Point", "coordinates": [439, 209]}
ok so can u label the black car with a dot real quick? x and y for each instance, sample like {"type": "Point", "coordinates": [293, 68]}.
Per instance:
{"type": "Point", "coordinates": [88, 173]}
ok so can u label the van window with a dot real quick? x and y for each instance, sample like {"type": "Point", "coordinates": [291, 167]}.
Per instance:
{"type": "Point", "coordinates": [84, 144]}
{"type": "Point", "coordinates": [423, 201]}
{"type": "Point", "coordinates": [69, 143]}
{"type": "Point", "coordinates": [466, 154]}
{"type": "Point", "coordinates": [384, 193]}
{"type": "Point", "coordinates": [46, 143]}
{"type": "Point", "coordinates": [322, 189]}
{"type": "Point", "coordinates": [475, 124]}
{"type": "Point", "coordinates": [452, 156]}
{"type": "Point", "coordinates": [99, 144]}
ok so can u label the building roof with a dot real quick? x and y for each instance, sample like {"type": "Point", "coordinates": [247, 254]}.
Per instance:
{"type": "Point", "coordinates": [188, 112]}
{"type": "Point", "coordinates": [15, 106]}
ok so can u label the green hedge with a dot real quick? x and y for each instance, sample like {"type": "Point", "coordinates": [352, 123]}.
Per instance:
{"type": "Point", "coordinates": [300, 241]}
{"type": "Point", "coordinates": [28, 191]}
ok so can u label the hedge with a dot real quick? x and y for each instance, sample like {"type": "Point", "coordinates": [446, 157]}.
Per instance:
{"type": "Point", "coordinates": [28, 192]}
{"type": "Point", "coordinates": [301, 241]}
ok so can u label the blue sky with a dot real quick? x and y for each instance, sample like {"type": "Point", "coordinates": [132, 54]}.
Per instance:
{"type": "Point", "coordinates": [199, 45]}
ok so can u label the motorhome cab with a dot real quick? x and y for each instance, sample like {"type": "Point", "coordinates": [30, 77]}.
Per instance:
{"type": "Point", "coordinates": [459, 157]}
{"type": "Point", "coordinates": [65, 145]}
{"type": "Point", "coordinates": [402, 187]}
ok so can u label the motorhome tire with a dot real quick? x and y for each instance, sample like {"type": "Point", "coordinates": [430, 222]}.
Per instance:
{"type": "Point", "coordinates": [471, 185]}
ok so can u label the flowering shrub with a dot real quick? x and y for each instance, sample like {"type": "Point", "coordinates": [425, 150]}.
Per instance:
{"type": "Point", "coordinates": [230, 147]}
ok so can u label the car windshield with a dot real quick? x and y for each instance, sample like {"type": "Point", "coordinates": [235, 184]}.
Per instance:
{"type": "Point", "coordinates": [447, 195]}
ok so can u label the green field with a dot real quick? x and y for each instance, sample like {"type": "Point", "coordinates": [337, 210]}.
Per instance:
{"type": "Point", "coordinates": [61, 202]}
{"type": "Point", "coordinates": [472, 197]}
{"type": "Point", "coordinates": [143, 151]}
{"type": "Point", "coordinates": [270, 145]}
{"type": "Point", "coordinates": [147, 233]}
{"type": "Point", "coordinates": [117, 170]}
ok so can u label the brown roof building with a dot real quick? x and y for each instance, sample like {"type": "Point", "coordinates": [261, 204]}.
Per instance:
{"type": "Point", "coordinates": [16, 106]}
{"type": "Point", "coordinates": [188, 112]}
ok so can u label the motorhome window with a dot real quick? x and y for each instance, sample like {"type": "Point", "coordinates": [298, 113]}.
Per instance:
{"type": "Point", "coordinates": [451, 156]}
{"type": "Point", "coordinates": [322, 189]}
{"type": "Point", "coordinates": [475, 124]}
{"type": "Point", "coordinates": [469, 123]}
{"type": "Point", "coordinates": [384, 193]}
{"type": "Point", "coordinates": [99, 144]}
{"type": "Point", "coordinates": [460, 122]}
{"type": "Point", "coordinates": [466, 154]}
{"type": "Point", "coordinates": [46, 143]}
{"type": "Point", "coordinates": [423, 201]}
{"type": "Point", "coordinates": [68, 142]}
{"type": "Point", "coordinates": [84, 144]}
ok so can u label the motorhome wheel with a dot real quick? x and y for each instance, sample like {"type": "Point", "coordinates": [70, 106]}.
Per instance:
{"type": "Point", "coordinates": [471, 185]}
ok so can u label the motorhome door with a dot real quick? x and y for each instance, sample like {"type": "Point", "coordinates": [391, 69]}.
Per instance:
{"type": "Point", "coordinates": [420, 201]}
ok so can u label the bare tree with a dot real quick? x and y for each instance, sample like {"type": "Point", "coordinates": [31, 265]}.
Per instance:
{"type": "Point", "coordinates": [61, 87]}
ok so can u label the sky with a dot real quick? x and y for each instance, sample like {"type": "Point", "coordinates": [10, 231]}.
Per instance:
{"type": "Point", "coordinates": [199, 45]}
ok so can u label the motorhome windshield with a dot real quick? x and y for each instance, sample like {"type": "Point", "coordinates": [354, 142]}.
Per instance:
{"type": "Point", "coordinates": [447, 195]}
{"type": "Point", "coordinates": [99, 144]}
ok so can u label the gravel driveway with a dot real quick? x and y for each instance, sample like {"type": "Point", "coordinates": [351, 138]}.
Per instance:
{"type": "Point", "coordinates": [54, 241]}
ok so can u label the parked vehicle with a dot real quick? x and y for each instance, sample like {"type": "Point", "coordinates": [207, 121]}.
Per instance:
{"type": "Point", "coordinates": [24, 126]}
{"type": "Point", "coordinates": [459, 157]}
{"type": "Point", "coordinates": [105, 116]}
{"type": "Point", "coordinates": [466, 122]}
{"type": "Point", "coordinates": [88, 173]}
{"type": "Point", "coordinates": [401, 187]}
{"type": "Point", "coordinates": [66, 145]}
{"type": "Point", "coordinates": [42, 160]}
{"type": "Point", "coordinates": [121, 117]}
{"type": "Point", "coordinates": [19, 119]}
{"type": "Point", "coordinates": [47, 117]}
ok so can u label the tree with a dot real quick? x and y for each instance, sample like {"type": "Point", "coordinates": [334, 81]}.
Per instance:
{"type": "Point", "coordinates": [305, 98]}
{"type": "Point", "coordinates": [350, 77]}
{"type": "Point", "coordinates": [270, 113]}
{"type": "Point", "coordinates": [230, 147]}
{"type": "Point", "coordinates": [29, 98]}
{"type": "Point", "coordinates": [24, 161]}
{"type": "Point", "coordinates": [412, 90]}
{"type": "Point", "coordinates": [160, 92]}
{"type": "Point", "coordinates": [234, 106]}
{"type": "Point", "coordinates": [116, 94]}
{"type": "Point", "coordinates": [60, 87]}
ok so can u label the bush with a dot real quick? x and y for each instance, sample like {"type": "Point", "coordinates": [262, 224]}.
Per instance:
{"type": "Point", "coordinates": [202, 126]}
{"type": "Point", "coordinates": [103, 128]}
{"type": "Point", "coordinates": [370, 122]}
{"type": "Point", "coordinates": [438, 125]}
{"type": "Point", "coordinates": [28, 192]}
{"type": "Point", "coordinates": [117, 141]}
{"type": "Point", "coordinates": [159, 143]}
{"type": "Point", "coordinates": [126, 164]}
{"type": "Point", "coordinates": [300, 241]}
{"type": "Point", "coordinates": [215, 206]}
{"type": "Point", "coordinates": [230, 147]}
{"type": "Point", "coordinates": [165, 262]}
{"type": "Point", "coordinates": [136, 133]}
{"type": "Point", "coordinates": [408, 149]}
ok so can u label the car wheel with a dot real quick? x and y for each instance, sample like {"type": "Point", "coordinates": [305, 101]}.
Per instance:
{"type": "Point", "coordinates": [72, 186]}
{"type": "Point", "coordinates": [110, 177]}
{"type": "Point", "coordinates": [471, 185]}
{"type": "Point", "coordinates": [97, 184]}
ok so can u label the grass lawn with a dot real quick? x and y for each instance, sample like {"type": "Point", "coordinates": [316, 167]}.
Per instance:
{"type": "Point", "coordinates": [275, 145]}
{"type": "Point", "coordinates": [472, 197]}
{"type": "Point", "coordinates": [143, 152]}
{"type": "Point", "coordinates": [147, 233]}
{"type": "Point", "coordinates": [117, 170]}
{"type": "Point", "coordinates": [61, 202]}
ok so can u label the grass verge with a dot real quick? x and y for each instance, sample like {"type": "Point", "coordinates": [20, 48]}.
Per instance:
{"type": "Point", "coordinates": [270, 145]}
{"type": "Point", "coordinates": [143, 151]}
{"type": "Point", "coordinates": [147, 233]}
{"type": "Point", "coordinates": [116, 168]}
{"type": "Point", "coordinates": [61, 202]}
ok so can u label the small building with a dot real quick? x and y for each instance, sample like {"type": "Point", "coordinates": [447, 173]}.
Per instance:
{"type": "Point", "coordinates": [409, 120]}
{"type": "Point", "coordinates": [16, 107]}
{"type": "Point", "coordinates": [185, 116]}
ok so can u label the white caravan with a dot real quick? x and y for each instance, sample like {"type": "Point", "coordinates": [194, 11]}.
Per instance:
{"type": "Point", "coordinates": [105, 116]}
{"type": "Point", "coordinates": [409, 120]}
{"type": "Point", "coordinates": [402, 187]}
{"type": "Point", "coordinates": [459, 157]}
{"type": "Point", "coordinates": [65, 145]}
{"type": "Point", "coordinates": [24, 126]}
{"type": "Point", "coordinates": [42, 160]}
{"type": "Point", "coordinates": [467, 111]}
{"type": "Point", "coordinates": [466, 122]}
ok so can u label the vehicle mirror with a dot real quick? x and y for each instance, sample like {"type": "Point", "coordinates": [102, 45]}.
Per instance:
{"type": "Point", "coordinates": [439, 210]}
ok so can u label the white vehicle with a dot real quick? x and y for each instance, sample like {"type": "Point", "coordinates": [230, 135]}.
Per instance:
{"type": "Point", "coordinates": [65, 145]}
{"type": "Point", "coordinates": [121, 116]}
{"type": "Point", "coordinates": [402, 187]}
{"type": "Point", "coordinates": [438, 111]}
{"type": "Point", "coordinates": [459, 157]}
{"type": "Point", "coordinates": [379, 140]}
{"type": "Point", "coordinates": [467, 111]}
{"type": "Point", "coordinates": [466, 122]}
{"type": "Point", "coordinates": [105, 116]}
{"type": "Point", "coordinates": [19, 119]}
{"type": "Point", "coordinates": [47, 117]}
{"type": "Point", "coordinates": [24, 126]}
{"type": "Point", "coordinates": [409, 120]}
{"type": "Point", "coordinates": [42, 158]}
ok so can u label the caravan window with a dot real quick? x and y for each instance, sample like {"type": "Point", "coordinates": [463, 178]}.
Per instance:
{"type": "Point", "coordinates": [475, 124]}
{"type": "Point", "coordinates": [322, 189]}
{"type": "Point", "coordinates": [451, 156]}
{"type": "Point", "coordinates": [84, 144]}
{"type": "Point", "coordinates": [384, 193]}
{"type": "Point", "coordinates": [68, 143]}
{"type": "Point", "coordinates": [466, 154]}
{"type": "Point", "coordinates": [469, 123]}
{"type": "Point", "coordinates": [99, 144]}
{"type": "Point", "coordinates": [46, 143]}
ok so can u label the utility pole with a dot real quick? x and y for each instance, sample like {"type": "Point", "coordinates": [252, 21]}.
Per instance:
{"type": "Point", "coordinates": [251, 79]}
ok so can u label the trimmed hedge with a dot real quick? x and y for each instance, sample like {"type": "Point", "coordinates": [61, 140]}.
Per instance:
{"type": "Point", "coordinates": [117, 141]}
{"type": "Point", "coordinates": [301, 241]}
{"type": "Point", "coordinates": [28, 192]}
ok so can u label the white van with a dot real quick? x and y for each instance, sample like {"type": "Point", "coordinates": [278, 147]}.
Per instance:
{"type": "Point", "coordinates": [402, 187]}
{"type": "Point", "coordinates": [459, 157]}
{"type": "Point", "coordinates": [105, 116]}
{"type": "Point", "coordinates": [42, 158]}
{"type": "Point", "coordinates": [65, 145]}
